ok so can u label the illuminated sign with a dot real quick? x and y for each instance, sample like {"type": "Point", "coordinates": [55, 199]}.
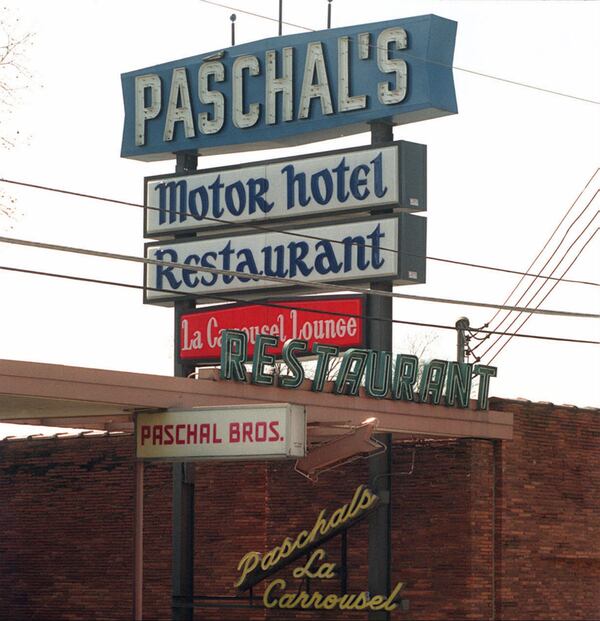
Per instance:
{"type": "Point", "coordinates": [270, 431]}
{"type": "Point", "coordinates": [255, 567]}
{"type": "Point", "coordinates": [335, 320]}
{"type": "Point", "coordinates": [441, 381]}
{"type": "Point", "coordinates": [381, 248]}
{"type": "Point", "coordinates": [291, 90]}
{"type": "Point", "coordinates": [339, 182]}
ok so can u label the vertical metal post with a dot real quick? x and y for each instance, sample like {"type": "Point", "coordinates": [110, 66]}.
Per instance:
{"type": "Point", "coordinates": [329, 13]}
{"type": "Point", "coordinates": [138, 542]}
{"type": "Point", "coordinates": [280, 17]}
{"type": "Point", "coordinates": [461, 325]}
{"type": "Point", "coordinates": [183, 540]}
{"type": "Point", "coordinates": [232, 18]}
{"type": "Point", "coordinates": [379, 336]}
{"type": "Point", "coordinates": [183, 473]}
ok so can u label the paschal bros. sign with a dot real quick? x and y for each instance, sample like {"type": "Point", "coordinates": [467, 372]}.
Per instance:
{"type": "Point", "coordinates": [335, 181]}
{"type": "Point", "coordinates": [334, 320]}
{"type": "Point", "coordinates": [270, 431]}
{"type": "Point", "coordinates": [390, 248]}
{"type": "Point", "coordinates": [291, 90]}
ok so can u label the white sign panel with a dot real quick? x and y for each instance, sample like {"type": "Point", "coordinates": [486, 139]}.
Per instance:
{"type": "Point", "coordinates": [347, 251]}
{"type": "Point", "coordinates": [270, 431]}
{"type": "Point", "coordinates": [329, 182]}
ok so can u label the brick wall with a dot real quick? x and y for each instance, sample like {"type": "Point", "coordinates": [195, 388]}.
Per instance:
{"type": "Point", "coordinates": [66, 524]}
{"type": "Point", "coordinates": [442, 529]}
{"type": "Point", "coordinates": [528, 545]}
{"type": "Point", "coordinates": [548, 514]}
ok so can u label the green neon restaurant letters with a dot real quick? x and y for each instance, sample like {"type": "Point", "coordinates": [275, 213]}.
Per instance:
{"type": "Point", "coordinates": [442, 382]}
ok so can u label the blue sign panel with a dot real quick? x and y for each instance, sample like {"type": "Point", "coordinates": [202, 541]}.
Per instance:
{"type": "Point", "coordinates": [388, 248]}
{"type": "Point", "coordinates": [349, 180]}
{"type": "Point", "coordinates": [291, 90]}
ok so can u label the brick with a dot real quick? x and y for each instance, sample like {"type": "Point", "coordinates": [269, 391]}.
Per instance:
{"type": "Point", "coordinates": [480, 528]}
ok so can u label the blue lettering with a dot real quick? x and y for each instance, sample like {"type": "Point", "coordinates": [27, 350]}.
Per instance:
{"type": "Point", "coordinates": [216, 186]}
{"type": "Point", "coordinates": [315, 186]}
{"type": "Point", "coordinates": [326, 261]}
{"type": "Point", "coordinates": [349, 243]}
{"type": "Point", "coordinates": [375, 238]}
{"type": "Point", "coordinates": [194, 195]}
{"type": "Point", "coordinates": [230, 202]}
{"type": "Point", "coordinates": [279, 270]}
{"type": "Point", "coordinates": [291, 181]}
{"type": "Point", "coordinates": [162, 271]}
{"type": "Point", "coordinates": [380, 189]}
{"type": "Point", "coordinates": [190, 277]}
{"type": "Point", "coordinates": [298, 251]}
{"type": "Point", "coordinates": [247, 265]}
{"type": "Point", "coordinates": [175, 206]}
{"type": "Point", "coordinates": [226, 254]}
{"type": "Point", "coordinates": [340, 170]}
{"type": "Point", "coordinates": [212, 277]}
{"type": "Point", "coordinates": [256, 189]}
{"type": "Point", "coordinates": [356, 182]}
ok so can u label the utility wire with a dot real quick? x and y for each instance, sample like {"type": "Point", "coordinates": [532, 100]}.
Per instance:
{"type": "Point", "coordinates": [552, 256]}
{"type": "Point", "coordinates": [278, 280]}
{"type": "Point", "coordinates": [266, 229]}
{"type": "Point", "coordinates": [284, 306]}
{"type": "Point", "coordinates": [409, 55]}
{"type": "Point", "coordinates": [547, 294]}
{"type": "Point", "coordinates": [544, 247]}
{"type": "Point", "coordinates": [532, 298]}
{"type": "Point", "coordinates": [251, 13]}
{"type": "Point", "coordinates": [545, 282]}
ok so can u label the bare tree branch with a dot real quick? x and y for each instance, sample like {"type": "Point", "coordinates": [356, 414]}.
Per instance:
{"type": "Point", "coordinates": [15, 77]}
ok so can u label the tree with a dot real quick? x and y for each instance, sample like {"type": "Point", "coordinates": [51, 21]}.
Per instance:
{"type": "Point", "coordinates": [14, 78]}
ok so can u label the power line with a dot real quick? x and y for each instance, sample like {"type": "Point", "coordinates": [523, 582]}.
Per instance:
{"type": "Point", "coordinates": [251, 13]}
{"type": "Point", "coordinates": [546, 244]}
{"type": "Point", "coordinates": [409, 55]}
{"type": "Point", "coordinates": [551, 256]}
{"type": "Point", "coordinates": [547, 294]}
{"type": "Point", "coordinates": [545, 264]}
{"type": "Point", "coordinates": [509, 271]}
{"type": "Point", "coordinates": [278, 280]}
{"type": "Point", "coordinates": [275, 304]}
{"type": "Point", "coordinates": [544, 283]}
{"type": "Point", "coordinates": [492, 345]}
{"type": "Point", "coordinates": [525, 85]}
{"type": "Point", "coordinates": [266, 229]}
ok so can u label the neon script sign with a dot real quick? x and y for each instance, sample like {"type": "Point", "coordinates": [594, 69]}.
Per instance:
{"type": "Point", "coordinates": [441, 381]}
{"type": "Point", "coordinates": [291, 90]}
{"type": "Point", "coordinates": [254, 567]}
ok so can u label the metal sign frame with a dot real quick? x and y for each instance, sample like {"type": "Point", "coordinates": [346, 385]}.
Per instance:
{"type": "Point", "coordinates": [411, 184]}
{"type": "Point", "coordinates": [410, 264]}
{"type": "Point", "coordinates": [291, 90]}
{"type": "Point", "coordinates": [285, 303]}
{"type": "Point", "coordinates": [291, 446]}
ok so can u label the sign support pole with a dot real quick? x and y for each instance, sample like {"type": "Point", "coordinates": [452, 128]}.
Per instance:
{"type": "Point", "coordinates": [182, 520]}
{"type": "Point", "coordinates": [379, 337]}
{"type": "Point", "coordinates": [461, 326]}
{"type": "Point", "coordinates": [138, 538]}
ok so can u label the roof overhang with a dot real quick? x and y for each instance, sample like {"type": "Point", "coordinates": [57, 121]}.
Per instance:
{"type": "Point", "coordinates": [63, 396]}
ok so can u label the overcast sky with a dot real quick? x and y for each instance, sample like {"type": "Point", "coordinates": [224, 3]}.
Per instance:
{"type": "Point", "coordinates": [501, 175]}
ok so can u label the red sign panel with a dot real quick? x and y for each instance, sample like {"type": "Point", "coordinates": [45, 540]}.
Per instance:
{"type": "Point", "coordinates": [331, 320]}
